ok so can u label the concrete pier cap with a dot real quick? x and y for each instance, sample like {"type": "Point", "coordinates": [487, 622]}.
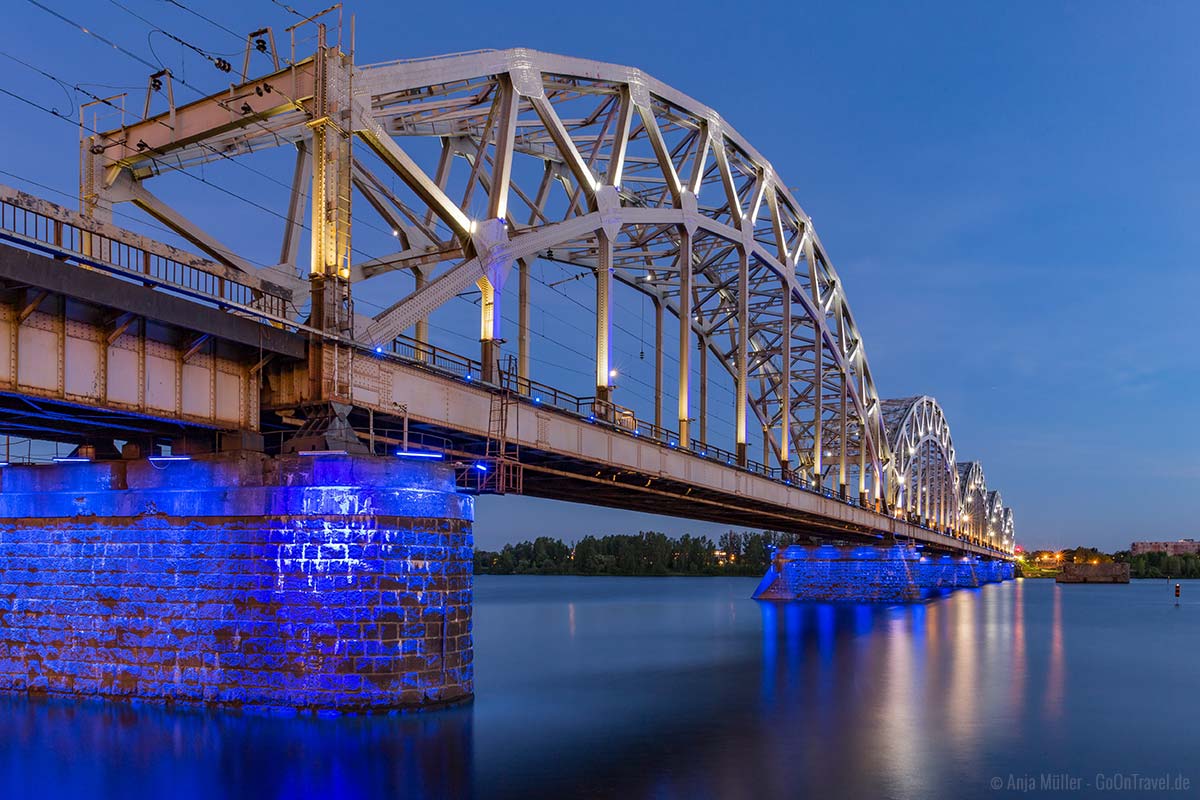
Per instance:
{"type": "Point", "coordinates": [317, 583]}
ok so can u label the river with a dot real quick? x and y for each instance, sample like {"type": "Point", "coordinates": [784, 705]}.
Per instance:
{"type": "Point", "coordinates": [686, 688]}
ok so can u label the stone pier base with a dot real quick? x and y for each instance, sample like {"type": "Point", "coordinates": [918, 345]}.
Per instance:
{"type": "Point", "coordinates": [893, 574]}
{"type": "Point", "coordinates": [298, 583]}
{"type": "Point", "coordinates": [831, 573]}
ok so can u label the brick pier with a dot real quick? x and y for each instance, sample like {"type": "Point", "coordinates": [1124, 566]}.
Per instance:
{"type": "Point", "coordinates": [871, 574]}
{"type": "Point", "coordinates": [298, 583]}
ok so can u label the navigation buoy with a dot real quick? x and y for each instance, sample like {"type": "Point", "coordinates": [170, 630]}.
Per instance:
{"type": "Point", "coordinates": [1177, 594]}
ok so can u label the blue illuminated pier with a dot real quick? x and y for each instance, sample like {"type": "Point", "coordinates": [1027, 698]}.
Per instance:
{"type": "Point", "coordinates": [299, 583]}
{"type": "Point", "coordinates": [895, 574]}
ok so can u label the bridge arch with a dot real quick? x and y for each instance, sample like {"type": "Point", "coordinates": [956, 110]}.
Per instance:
{"type": "Point", "coordinates": [923, 478]}
{"type": "Point", "coordinates": [973, 501]}
{"type": "Point", "coordinates": [481, 164]}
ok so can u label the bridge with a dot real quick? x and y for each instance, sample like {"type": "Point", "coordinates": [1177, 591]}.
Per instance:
{"type": "Point", "coordinates": [474, 167]}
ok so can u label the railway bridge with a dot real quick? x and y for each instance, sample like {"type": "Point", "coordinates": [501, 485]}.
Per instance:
{"type": "Point", "coordinates": [328, 455]}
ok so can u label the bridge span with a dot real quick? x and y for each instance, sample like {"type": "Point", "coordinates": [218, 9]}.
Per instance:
{"type": "Point", "coordinates": [476, 166]}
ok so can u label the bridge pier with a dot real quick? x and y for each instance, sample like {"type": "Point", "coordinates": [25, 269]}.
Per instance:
{"type": "Point", "coordinates": [296, 583]}
{"type": "Point", "coordinates": [882, 574]}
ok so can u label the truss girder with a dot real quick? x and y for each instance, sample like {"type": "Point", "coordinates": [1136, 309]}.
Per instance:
{"type": "Point", "coordinates": [596, 165]}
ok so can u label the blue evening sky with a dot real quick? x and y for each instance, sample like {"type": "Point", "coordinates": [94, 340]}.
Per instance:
{"type": "Point", "coordinates": [1009, 191]}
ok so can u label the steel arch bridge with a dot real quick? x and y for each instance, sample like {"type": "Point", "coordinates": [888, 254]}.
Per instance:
{"type": "Point", "coordinates": [482, 163]}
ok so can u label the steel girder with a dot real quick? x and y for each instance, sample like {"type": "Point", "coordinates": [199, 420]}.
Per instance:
{"type": "Point", "coordinates": [973, 500]}
{"type": "Point", "coordinates": [923, 476]}
{"type": "Point", "coordinates": [592, 164]}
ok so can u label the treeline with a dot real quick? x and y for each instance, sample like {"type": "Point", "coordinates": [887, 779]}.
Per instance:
{"type": "Point", "coordinates": [1161, 565]}
{"type": "Point", "coordinates": [1145, 565]}
{"type": "Point", "coordinates": [645, 553]}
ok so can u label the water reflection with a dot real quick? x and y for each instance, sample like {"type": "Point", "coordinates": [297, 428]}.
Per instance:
{"type": "Point", "coordinates": [686, 688]}
{"type": "Point", "coordinates": [55, 748]}
{"type": "Point", "coordinates": [1056, 675]}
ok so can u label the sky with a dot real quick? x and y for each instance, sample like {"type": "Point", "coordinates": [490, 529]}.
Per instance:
{"type": "Point", "coordinates": [1009, 193]}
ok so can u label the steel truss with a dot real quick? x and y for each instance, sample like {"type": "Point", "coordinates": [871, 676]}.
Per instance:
{"type": "Point", "coordinates": [591, 164]}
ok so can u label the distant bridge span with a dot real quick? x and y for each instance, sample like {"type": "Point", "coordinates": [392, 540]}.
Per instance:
{"type": "Point", "coordinates": [480, 164]}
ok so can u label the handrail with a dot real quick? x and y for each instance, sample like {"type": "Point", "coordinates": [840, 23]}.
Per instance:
{"type": "Point", "coordinates": [39, 224]}
{"type": "Point", "coordinates": [623, 420]}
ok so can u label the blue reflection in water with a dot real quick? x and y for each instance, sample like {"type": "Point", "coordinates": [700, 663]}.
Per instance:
{"type": "Point", "coordinates": [681, 688]}
{"type": "Point", "coordinates": [770, 649]}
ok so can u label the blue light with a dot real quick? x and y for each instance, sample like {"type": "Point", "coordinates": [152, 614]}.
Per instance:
{"type": "Point", "coordinates": [321, 453]}
{"type": "Point", "coordinates": [537, 400]}
{"type": "Point", "coordinates": [418, 454]}
{"type": "Point", "coordinates": [167, 459]}
{"type": "Point", "coordinates": [71, 460]}
{"type": "Point", "coordinates": [3, 463]}
{"type": "Point", "coordinates": [591, 417]}
{"type": "Point", "coordinates": [379, 349]}
{"type": "Point", "coordinates": [467, 377]}
{"type": "Point", "coordinates": [482, 467]}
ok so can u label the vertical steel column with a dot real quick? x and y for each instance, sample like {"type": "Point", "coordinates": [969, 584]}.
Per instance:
{"type": "Point", "coordinates": [842, 439]}
{"type": "Point", "coordinates": [743, 344]}
{"type": "Point", "coordinates": [818, 358]}
{"type": "Point", "coordinates": [489, 327]}
{"type": "Point", "coordinates": [785, 387]}
{"type": "Point", "coordinates": [702, 354]}
{"type": "Point", "coordinates": [862, 436]}
{"type": "Point", "coordinates": [603, 317]}
{"type": "Point", "coordinates": [421, 332]}
{"type": "Point", "coordinates": [685, 332]}
{"type": "Point", "coordinates": [918, 478]}
{"type": "Point", "coordinates": [332, 310]}
{"type": "Point", "coordinates": [658, 362]}
{"type": "Point", "coordinates": [523, 323]}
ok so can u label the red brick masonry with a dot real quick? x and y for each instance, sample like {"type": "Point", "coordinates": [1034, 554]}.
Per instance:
{"type": "Point", "coordinates": [296, 583]}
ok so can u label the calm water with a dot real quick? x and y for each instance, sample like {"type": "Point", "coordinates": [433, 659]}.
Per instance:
{"type": "Point", "coordinates": [679, 687]}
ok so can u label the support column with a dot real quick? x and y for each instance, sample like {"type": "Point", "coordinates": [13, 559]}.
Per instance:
{"type": "Point", "coordinates": [523, 323]}
{"type": "Point", "coordinates": [702, 354]}
{"type": "Point", "coordinates": [421, 330]}
{"type": "Point", "coordinates": [818, 366]}
{"type": "Point", "coordinates": [489, 328]}
{"type": "Point", "coordinates": [685, 333]}
{"type": "Point", "coordinates": [743, 343]}
{"type": "Point", "coordinates": [785, 388]}
{"type": "Point", "coordinates": [604, 318]}
{"type": "Point", "coordinates": [658, 362]}
{"type": "Point", "coordinates": [332, 310]}
{"type": "Point", "coordinates": [842, 440]}
{"type": "Point", "coordinates": [307, 545]}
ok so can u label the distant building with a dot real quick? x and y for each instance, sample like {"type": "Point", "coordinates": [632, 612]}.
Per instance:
{"type": "Point", "coordinates": [1183, 547]}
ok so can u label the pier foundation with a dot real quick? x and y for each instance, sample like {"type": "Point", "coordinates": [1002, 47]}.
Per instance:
{"type": "Point", "coordinates": [894, 574]}
{"type": "Point", "coordinates": [295, 583]}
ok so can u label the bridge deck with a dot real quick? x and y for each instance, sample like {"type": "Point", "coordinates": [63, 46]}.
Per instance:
{"type": "Point", "coordinates": [199, 365]}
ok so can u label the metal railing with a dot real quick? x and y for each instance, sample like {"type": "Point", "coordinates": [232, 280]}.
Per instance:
{"type": "Point", "coordinates": [43, 226]}
{"type": "Point", "coordinates": [624, 420]}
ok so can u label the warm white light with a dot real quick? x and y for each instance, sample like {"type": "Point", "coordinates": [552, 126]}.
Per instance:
{"type": "Point", "coordinates": [612, 373]}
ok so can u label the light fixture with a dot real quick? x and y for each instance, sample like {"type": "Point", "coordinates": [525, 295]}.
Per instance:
{"type": "Point", "coordinates": [418, 454]}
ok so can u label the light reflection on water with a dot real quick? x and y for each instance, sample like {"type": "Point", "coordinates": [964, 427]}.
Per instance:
{"type": "Point", "coordinates": [665, 688]}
